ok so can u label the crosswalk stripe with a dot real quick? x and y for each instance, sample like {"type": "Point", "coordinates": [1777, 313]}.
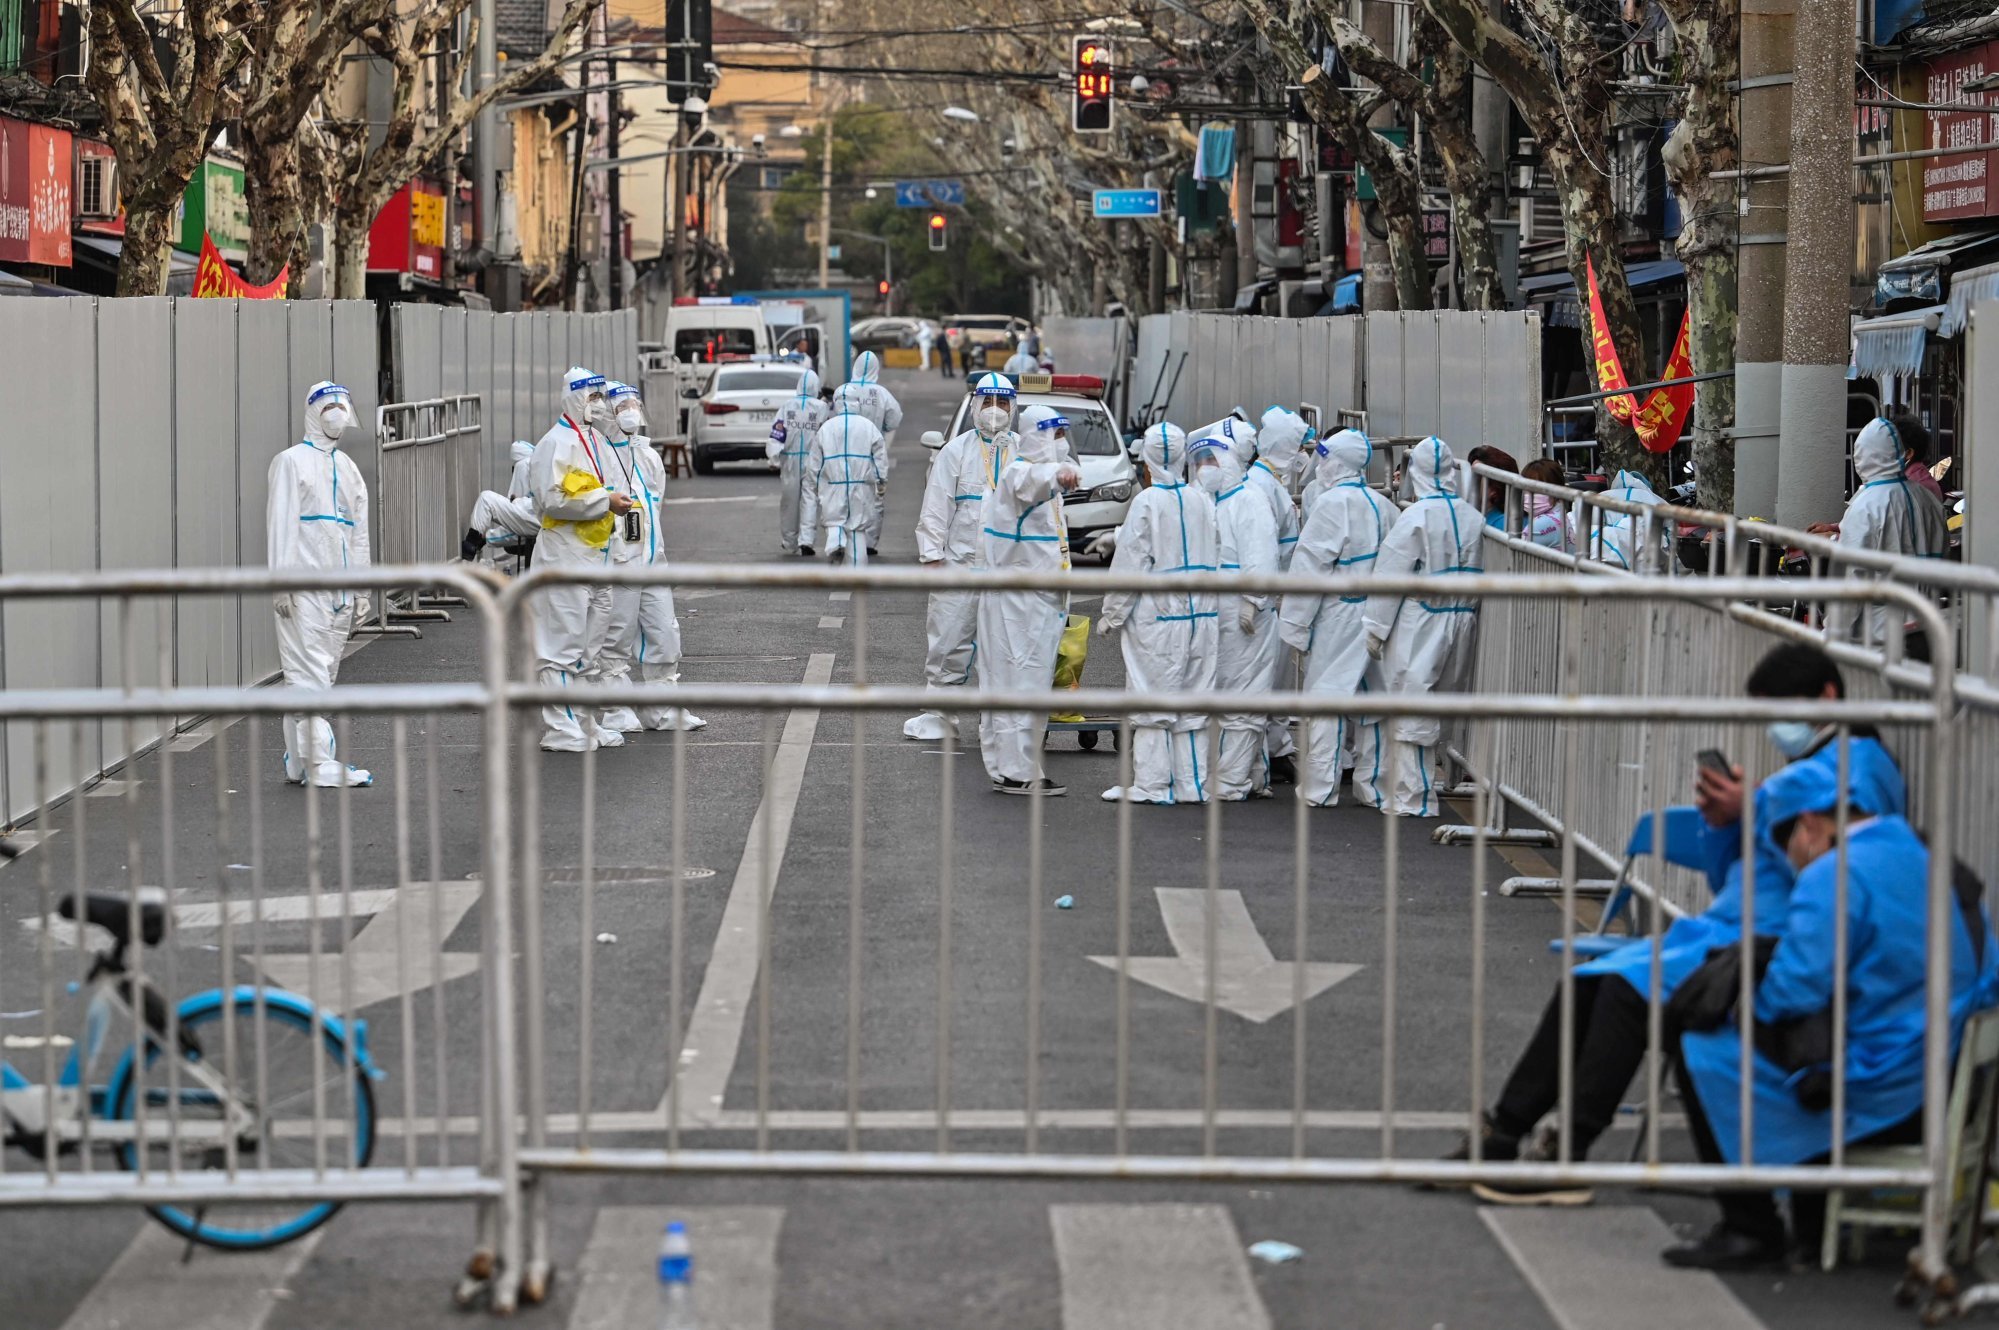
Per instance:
{"type": "Point", "coordinates": [735, 1266]}
{"type": "Point", "coordinates": [149, 1285]}
{"type": "Point", "coordinates": [1153, 1267]}
{"type": "Point", "coordinates": [1599, 1269]}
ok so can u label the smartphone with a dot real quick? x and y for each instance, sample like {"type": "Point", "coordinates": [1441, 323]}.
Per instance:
{"type": "Point", "coordinates": [635, 526]}
{"type": "Point", "coordinates": [1712, 759]}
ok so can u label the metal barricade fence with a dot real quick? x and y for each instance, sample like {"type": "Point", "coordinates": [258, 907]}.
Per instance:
{"type": "Point", "coordinates": [732, 1104]}
{"type": "Point", "coordinates": [430, 475]}
{"type": "Point", "coordinates": [288, 944]}
{"type": "Point", "coordinates": [1155, 1100]}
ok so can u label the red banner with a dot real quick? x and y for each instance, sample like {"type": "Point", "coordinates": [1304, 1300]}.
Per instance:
{"type": "Point", "coordinates": [213, 277]}
{"type": "Point", "coordinates": [1659, 420]}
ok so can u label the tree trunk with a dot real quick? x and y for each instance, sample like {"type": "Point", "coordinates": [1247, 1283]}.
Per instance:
{"type": "Point", "coordinates": [350, 248]}
{"type": "Point", "coordinates": [1396, 195]}
{"type": "Point", "coordinates": [274, 190]}
{"type": "Point", "coordinates": [148, 248]}
{"type": "Point", "coordinates": [1478, 253]}
{"type": "Point", "coordinates": [1705, 142]}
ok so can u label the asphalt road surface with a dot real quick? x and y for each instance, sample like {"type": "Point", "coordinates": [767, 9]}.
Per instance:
{"type": "Point", "coordinates": [868, 1251]}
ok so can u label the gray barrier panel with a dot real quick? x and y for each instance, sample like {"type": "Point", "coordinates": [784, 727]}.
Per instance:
{"type": "Point", "coordinates": [1386, 411]}
{"type": "Point", "coordinates": [1512, 397]}
{"type": "Point", "coordinates": [208, 492]}
{"type": "Point", "coordinates": [357, 364]}
{"type": "Point", "coordinates": [490, 453]}
{"type": "Point", "coordinates": [1462, 363]}
{"type": "Point", "coordinates": [45, 454]}
{"type": "Point", "coordinates": [461, 453]}
{"type": "Point", "coordinates": [544, 369]}
{"type": "Point", "coordinates": [269, 420]}
{"type": "Point", "coordinates": [135, 511]}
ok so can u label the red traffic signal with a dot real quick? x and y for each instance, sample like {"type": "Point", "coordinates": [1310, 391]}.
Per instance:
{"type": "Point", "coordinates": [881, 288]}
{"type": "Point", "coordinates": [1090, 112]}
{"type": "Point", "coordinates": [939, 234]}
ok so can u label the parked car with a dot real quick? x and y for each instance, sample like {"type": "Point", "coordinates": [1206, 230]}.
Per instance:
{"type": "Point", "coordinates": [737, 411]}
{"type": "Point", "coordinates": [995, 332]}
{"type": "Point", "coordinates": [885, 331]}
{"type": "Point", "coordinates": [1109, 476]}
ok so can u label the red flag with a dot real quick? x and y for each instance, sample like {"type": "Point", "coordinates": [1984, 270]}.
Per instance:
{"type": "Point", "coordinates": [215, 278]}
{"type": "Point", "coordinates": [1659, 420]}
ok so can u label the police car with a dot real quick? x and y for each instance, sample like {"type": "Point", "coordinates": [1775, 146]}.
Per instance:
{"type": "Point", "coordinates": [1109, 477]}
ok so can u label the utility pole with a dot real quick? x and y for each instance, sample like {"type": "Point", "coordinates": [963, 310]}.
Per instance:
{"type": "Point", "coordinates": [1762, 231]}
{"type": "Point", "coordinates": [485, 130]}
{"type": "Point", "coordinates": [614, 265]}
{"type": "Point", "coordinates": [1811, 450]}
{"type": "Point", "coordinates": [676, 189]}
{"type": "Point", "coordinates": [1377, 21]}
{"type": "Point", "coordinates": [825, 193]}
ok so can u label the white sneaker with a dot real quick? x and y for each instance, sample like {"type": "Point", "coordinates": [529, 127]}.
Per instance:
{"type": "Point", "coordinates": [623, 720]}
{"type": "Point", "coordinates": [609, 738]}
{"type": "Point", "coordinates": [679, 719]}
{"type": "Point", "coordinates": [563, 743]}
{"type": "Point", "coordinates": [929, 727]}
{"type": "Point", "coordinates": [354, 777]}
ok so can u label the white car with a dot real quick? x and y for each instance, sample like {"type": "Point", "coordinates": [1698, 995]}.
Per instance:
{"type": "Point", "coordinates": [734, 419]}
{"type": "Point", "coordinates": [1110, 478]}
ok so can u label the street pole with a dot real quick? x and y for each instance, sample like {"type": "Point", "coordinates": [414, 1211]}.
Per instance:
{"type": "Point", "coordinates": [1765, 117]}
{"type": "Point", "coordinates": [1811, 448]}
{"type": "Point", "coordinates": [1377, 21]}
{"type": "Point", "coordinates": [888, 275]}
{"type": "Point", "coordinates": [677, 188]}
{"type": "Point", "coordinates": [614, 197]}
{"type": "Point", "coordinates": [825, 194]}
{"type": "Point", "coordinates": [485, 130]}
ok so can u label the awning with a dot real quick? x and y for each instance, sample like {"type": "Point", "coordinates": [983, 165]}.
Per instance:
{"type": "Point", "coordinates": [1893, 344]}
{"type": "Point", "coordinates": [1967, 288]}
{"type": "Point", "coordinates": [1559, 289]}
{"type": "Point", "coordinates": [112, 247]}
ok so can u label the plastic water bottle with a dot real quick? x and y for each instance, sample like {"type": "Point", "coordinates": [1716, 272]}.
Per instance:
{"type": "Point", "coordinates": [676, 1279]}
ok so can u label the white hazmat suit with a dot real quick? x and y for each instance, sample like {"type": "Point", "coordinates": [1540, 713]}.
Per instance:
{"type": "Point", "coordinates": [1419, 639]}
{"type": "Point", "coordinates": [1250, 651]}
{"type": "Point", "coordinates": [1889, 514]}
{"type": "Point", "coordinates": [949, 531]}
{"type": "Point", "coordinates": [1280, 455]}
{"type": "Point", "coordinates": [1343, 534]}
{"type": "Point", "coordinates": [878, 404]}
{"type": "Point", "coordinates": [846, 468]}
{"type": "Point", "coordinates": [1019, 631]}
{"type": "Point", "coordinates": [790, 441]}
{"type": "Point", "coordinates": [316, 516]}
{"type": "Point", "coordinates": [573, 623]}
{"type": "Point", "coordinates": [1622, 532]}
{"type": "Point", "coordinates": [1171, 638]}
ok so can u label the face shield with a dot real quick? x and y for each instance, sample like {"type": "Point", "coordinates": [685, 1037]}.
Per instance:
{"type": "Point", "coordinates": [1209, 471]}
{"type": "Point", "coordinates": [329, 412]}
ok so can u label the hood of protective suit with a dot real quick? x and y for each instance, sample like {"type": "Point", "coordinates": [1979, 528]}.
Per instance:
{"type": "Point", "coordinates": [848, 400]}
{"type": "Point", "coordinates": [522, 451]}
{"type": "Point", "coordinates": [1282, 433]}
{"type": "Point", "coordinates": [577, 385]}
{"type": "Point", "coordinates": [1632, 488]}
{"type": "Point", "coordinates": [1431, 468]}
{"type": "Point", "coordinates": [1344, 457]}
{"type": "Point", "coordinates": [317, 399]}
{"type": "Point", "coordinates": [1037, 437]}
{"type": "Point", "coordinates": [1237, 435]}
{"type": "Point", "coordinates": [1877, 453]}
{"type": "Point", "coordinates": [1811, 785]}
{"type": "Point", "coordinates": [867, 367]}
{"type": "Point", "coordinates": [808, 385]}
{"type": "Point", "coordinates": [1164, 448]}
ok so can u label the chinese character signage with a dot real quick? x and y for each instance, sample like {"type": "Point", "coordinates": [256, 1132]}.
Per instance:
{"type": "Point", "coordinates": [1659, 419]}
{"type": "Point", "coordinates": [409, 232]}
{"type": "Point", "coordinates": [34, 194]}
{"type": "Point", "coordinates": [1960, 185]}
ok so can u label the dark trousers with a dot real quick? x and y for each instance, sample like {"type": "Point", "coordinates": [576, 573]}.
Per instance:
{"type": "Point", "coordinates": [1609, 1048]}
{"type": "Point", "coordinates": [1755, 1212]}
{"type": "Point", "coordinates": [944, 358]}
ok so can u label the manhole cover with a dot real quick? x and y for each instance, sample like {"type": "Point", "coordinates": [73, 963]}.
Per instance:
{"type": "Point", "coordinates": [572, 876]}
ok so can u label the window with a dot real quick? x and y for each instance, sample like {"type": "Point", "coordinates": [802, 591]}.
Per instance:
{"type": "Point", "coordinates": [97, 186]}
{"type": "Point", "coordinates": [710, 344]}
{"type": "Point", "coordinates": [756, 380]}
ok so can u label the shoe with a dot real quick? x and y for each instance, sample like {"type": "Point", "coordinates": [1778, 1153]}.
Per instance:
{"type": "Point", "coordinates": [1725, 1248]}
{"type": "Point", "coordinates": [929, 727]}
{"type": "Point", "coordinates": [623, 720]}
{"type": "Point", "coordinates": [678, 719]}
{"type": "Point", "coordinates": [804, 551]}
{"type": "Point", "coordinates": [1497, 1148]}
{"type": "Point", "coordinates": [1284, 770]}
{"type": "Point", "coordinates": [474, 542]}
{"type": "Point", "coordinates": [353, 777]}
{"type": "Point", "coordinates": [1048, 787]}
{"type": "Point", "coordinates": [564, 744]}
{"type": "Point", "coordinates": [1531, 1193]}
{"type": "Point", "coordinates": [874, 553]}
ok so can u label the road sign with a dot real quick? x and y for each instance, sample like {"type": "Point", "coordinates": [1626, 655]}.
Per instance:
{"type": "Point", "coordinates": [833, 253]}
{"type": "Point", "coordinates": [1126, 203]}
{"type": "Point", "coordinates": [929, 193]}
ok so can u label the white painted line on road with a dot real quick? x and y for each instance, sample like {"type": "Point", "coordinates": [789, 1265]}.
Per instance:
{"type": "Point", "coordinates": [1249, 981]}
{"type": "Point", "coordinates": [841, 595]}
{"type": "Point", "coordinates": [715, 1032]}
{"type": "Point", "coordinates": [830, 621]}
{"type": "Point", "coordinates": [1599, 1269]}
{"type": "Point", "coordinates": [109, 788]}
{"type": "Point", "coordinates": [715, 498]}
{"type": "Point", "coordinates": [1153, 1267]}
{"type": "Point", "coordinates": [735, 1266]}
{"type": "Point", "coordinates": [376, 956]}
{"type": "Point", "coordinates": [150, 1285]}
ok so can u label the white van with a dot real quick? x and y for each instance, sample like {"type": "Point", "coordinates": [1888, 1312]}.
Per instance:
{"type": "Point", "coordinates": [705, 330]}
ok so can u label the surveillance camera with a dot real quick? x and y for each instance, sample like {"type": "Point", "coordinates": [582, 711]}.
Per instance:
{"type": "Point", "coordinates": [756, 140]}
{"type": "Point", "coordinates": [1139, 83]}
{"type": "Point", "coordinates": [694, 106]}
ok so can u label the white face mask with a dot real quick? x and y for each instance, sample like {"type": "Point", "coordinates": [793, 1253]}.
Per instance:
{"type": "Point", "coordinates": [598, 410]}
{"type": "Point", "coordinates": [993, 419]}
{"type": "Point", "coordinates": [1210, 478]}
{"type": "Point", "coordinates": [336, 421]}
{"type": "Point", "coordinates": [631, 420]}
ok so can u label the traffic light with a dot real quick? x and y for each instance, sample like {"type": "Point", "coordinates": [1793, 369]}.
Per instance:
{"type": "Point", "coordinates": [1091, 113]}
{"type": "Point", "coordinates": [940, 232]}
{"type": "Point", "coordinates": [881, 288]}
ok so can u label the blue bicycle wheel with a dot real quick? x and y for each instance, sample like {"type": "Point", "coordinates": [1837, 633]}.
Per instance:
{"type": "Point", "coordinates": [277, 1071]}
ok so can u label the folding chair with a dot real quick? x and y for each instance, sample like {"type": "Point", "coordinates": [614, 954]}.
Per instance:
{"type": "Point", "coordinates": [1683, 848]}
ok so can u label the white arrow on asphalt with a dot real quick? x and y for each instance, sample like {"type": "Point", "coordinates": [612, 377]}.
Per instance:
{"type": "Point", "coordinates": [1249, 981]}
{"type": "Point", "coordinates": [376, 954]}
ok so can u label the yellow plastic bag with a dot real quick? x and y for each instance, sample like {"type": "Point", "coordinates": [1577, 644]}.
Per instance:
{"type": "Point", "coordinates": [1070, 657]}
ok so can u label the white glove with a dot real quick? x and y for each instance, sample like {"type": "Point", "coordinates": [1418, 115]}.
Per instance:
{"type": "Point", "coordinates": [1105, 627]}
{"type": "Point", "coordinates": [1377, 647]}
{"type": "Point", "coordinates": [1102, 544]}
{"type": "Point", "coordinates": [1245, 617]}
{"type": "Point", "coordinates": [363, 607]}
{"type": "Point", "coordinates": [1068, 477]}
{"type": "Point", "coordinates": [281, 604]}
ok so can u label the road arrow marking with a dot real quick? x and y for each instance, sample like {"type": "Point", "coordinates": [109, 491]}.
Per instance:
{"type": "Point", "coordinates": [1249, 981]}
{"type": "Point", "coordinates": [375, 953]}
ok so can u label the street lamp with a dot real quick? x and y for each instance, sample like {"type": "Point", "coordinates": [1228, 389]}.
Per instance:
{"type": "Point", "coordinates": [872, 192]}
{"type": "Point", "coordinates": [791, 132]}
{"type": "Point", "coordinates": [961, 114]}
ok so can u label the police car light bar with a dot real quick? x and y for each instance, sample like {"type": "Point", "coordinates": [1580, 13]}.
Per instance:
{"type": "Point", "coordinates": [715, 300]}
{"type": "Point", "coordinates": [1076, 385]}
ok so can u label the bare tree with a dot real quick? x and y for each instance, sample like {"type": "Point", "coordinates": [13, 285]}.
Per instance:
{"type": "Point", "coordinates": [161, 122]}
{"type": "Point", "coordinates": [1704, 142]}
{"type": "Point", "coordinates": [367, 177]}
{"type": "Point", "coordinates": [1561, 89]}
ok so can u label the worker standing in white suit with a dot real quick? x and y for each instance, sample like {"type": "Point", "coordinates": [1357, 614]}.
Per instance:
{"type": "Point", "coordinates": [316, 516]}
{"type": "Point", "coordinates": [1250, 651]}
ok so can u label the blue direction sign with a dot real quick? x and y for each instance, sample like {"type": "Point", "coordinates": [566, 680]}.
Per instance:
{"type": "Point", "coordinates": [1126, 202]}
{"type": "Point", "coordinates": [929, 193]}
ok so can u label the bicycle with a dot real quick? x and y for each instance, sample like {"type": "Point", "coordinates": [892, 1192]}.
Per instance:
{"type": "Point", "coordinates": [247, 1090]}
